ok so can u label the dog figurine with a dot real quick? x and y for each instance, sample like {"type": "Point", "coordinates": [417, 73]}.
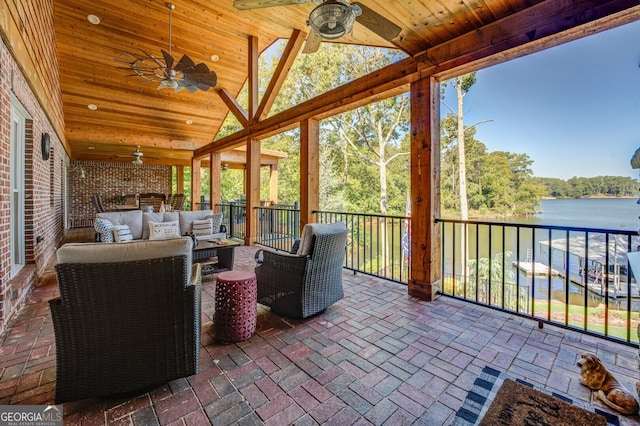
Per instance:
{"type": "Point", "coordinates": [595, 376]}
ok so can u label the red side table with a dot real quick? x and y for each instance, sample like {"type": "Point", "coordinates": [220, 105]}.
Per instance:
{"type": "Point", "coordinates": [236, 306]}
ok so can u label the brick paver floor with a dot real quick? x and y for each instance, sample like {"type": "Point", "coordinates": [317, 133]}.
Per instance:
{"type": "Point", "coordinates": [376, 357]}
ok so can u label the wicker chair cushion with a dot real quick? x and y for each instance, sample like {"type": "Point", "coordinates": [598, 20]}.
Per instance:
{"type": "Point", "coordinates": [164, 230]}
{"type": "Point", "coordinates": [310, 229]}
{"type": "Point", "coordinates": [135, 250]}
{"type": "Point", "coordinates": [122, 234]}
{"type": "Point", "coordinates": [105, 228]}
{"type": "Point", "coordinates": [156, 217]}
{"type": "Point", "coordinates": [131, 218]}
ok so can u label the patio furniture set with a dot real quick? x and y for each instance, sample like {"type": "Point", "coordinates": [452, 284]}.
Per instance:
{"type": "Point", "coordinates": [133, 309]}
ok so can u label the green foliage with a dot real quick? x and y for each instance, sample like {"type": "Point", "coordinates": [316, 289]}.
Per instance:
{"type": "Point", "coordinates": [581, 187]}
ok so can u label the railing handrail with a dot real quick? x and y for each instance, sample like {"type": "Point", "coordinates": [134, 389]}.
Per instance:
{"type": "Point", "coordinates": [378, 215]}
{"type": "Point", "coordinates": [540, 226]}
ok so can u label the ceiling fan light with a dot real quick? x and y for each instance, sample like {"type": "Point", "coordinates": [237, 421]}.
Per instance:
{"type": "Point", "coordinates": [332, 19]}
{"type": "Point", "coordinates": [137, 161]}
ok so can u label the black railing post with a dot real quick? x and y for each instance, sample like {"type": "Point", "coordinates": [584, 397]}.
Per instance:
{"type": "Point", "coordinates": [232, 218]}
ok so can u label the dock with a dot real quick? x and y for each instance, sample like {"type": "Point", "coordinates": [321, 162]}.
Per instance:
{"type": "Point", "coordinates": [536, 269]}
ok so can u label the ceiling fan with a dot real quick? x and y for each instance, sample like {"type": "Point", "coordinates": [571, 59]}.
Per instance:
{"type": "Point", "coordinates": [186, 74]}
{"type": "Point", "coordinates": [137, 156]}
{"type": "Point", "coordinates": [332, 19]}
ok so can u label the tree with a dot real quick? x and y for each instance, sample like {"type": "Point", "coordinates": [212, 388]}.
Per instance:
{"type": "Point", "coordinates": [462, 84]}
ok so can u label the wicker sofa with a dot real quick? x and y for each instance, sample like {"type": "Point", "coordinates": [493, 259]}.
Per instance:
{"type": "Point", "coordinates": [304, 283]}
{"type": "Point", "coordinates": [138, 223]}
{"type": "Point", "coordinates": [127, 319]}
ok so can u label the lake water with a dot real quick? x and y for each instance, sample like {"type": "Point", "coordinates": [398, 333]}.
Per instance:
{"type": "Point", "coordinates": [604, 213]}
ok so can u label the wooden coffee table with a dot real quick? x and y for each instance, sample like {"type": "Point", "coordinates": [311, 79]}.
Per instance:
{"type": "Point", "coordinates": [223, 249]}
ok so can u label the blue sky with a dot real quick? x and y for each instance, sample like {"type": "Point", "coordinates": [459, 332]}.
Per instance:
{"type": "Point", "coordinates": [574, 109]}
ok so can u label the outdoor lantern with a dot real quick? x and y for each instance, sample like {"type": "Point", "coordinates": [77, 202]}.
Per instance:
{"type": "Point", "coordinates": [333, 19]}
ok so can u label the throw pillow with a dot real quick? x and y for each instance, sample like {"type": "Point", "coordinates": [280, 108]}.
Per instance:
{"type": "Point", "coordinates": [122, 233]}
{"type": "Point", "coordinates": [164, 230]}
{"type": "Point", "coordinates": [217, 222]}
{"type": "Point", "coordinates": [104, 227]}
{"type": "Point", "coordinates": [202, 227]}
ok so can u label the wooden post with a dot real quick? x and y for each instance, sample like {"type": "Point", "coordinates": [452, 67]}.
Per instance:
{"type": "Point", "coordinates": [273, 183]}
{"type": "Point", "coordinates": [252, 184]}
{"type": "Point", "coordinates": [180, 179]}
{"type": "Point", "coordinates": [425, 246]}
{"type": "Point", "coordinates": [196, 189]}
{"type": "Point", "coordinates": [309, 170]}
{"type": "Point", "coordinates": [215, 194]}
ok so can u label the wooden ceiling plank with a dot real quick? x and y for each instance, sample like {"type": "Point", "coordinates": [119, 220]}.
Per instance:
{"type": "Point", "coordinates": [280, 74]}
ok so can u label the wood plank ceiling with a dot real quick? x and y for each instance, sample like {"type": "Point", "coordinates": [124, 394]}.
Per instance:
{"type": "Point", "coordinates": [130, 112]}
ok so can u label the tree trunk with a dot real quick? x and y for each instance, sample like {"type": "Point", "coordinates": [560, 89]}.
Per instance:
{"type": "Point", "coordinates": [462, 168]}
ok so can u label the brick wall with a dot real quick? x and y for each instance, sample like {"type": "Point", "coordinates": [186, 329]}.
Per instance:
{"type": "Point", "coordinates": [110, 180]}
{"type": "Point", "coordinates": [43, 189]}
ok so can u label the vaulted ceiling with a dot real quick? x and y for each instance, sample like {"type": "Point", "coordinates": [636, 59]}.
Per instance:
{"type": "Point", "coordinates": [130, 112]}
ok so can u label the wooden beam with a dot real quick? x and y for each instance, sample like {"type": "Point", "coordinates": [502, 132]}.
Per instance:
{"type": "Point", "coordinates": [196, 183]}
{"type": "Point", "coordinates": [180, 179]}
{"type": "Point", "coordinates": [252, 190]}
{"type": "Point", "coordinates": [282, 70]}
{"type": "Point", "coordinates": [253, 77]}
{"type": "Point", "coordinates": [215, 195]}
{"type": "Point", "coordinates": [541, 26]}
{"type": "Point", "coordinates": [309, 170]}
{"type": "Point", "coordinates": [235, 108]}
{"type": "Point", "coordinates": [425, 189]}
{"type": "Point", "coordinates": [375, 84]}
{"type": "Point", "coordinates": [273, 183]}
{"type": "Point", "coordinates": [521, 33]}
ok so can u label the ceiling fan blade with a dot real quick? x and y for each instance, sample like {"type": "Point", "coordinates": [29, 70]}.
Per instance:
{"type": "Point", "coordinates": [313, 43]}
{"type": "Point", "coordinates": [168, 59]}
{"type": "Point", "coordinates": [256, 4]}
{"type": "Point", "coordinates": [185, 63]}
{"type": "Point", "coordinates": [201, 77]}
{"type": "Point", "coordinates": [377, 23]}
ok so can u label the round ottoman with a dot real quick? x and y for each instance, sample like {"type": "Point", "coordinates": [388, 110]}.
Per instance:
{"type": "Point", "coordinates": [236, 306]}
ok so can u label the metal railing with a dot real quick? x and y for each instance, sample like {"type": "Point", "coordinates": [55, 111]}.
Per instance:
{"type": "Point", "coordinates": [278, 227]}
{"type": "Point", "coordinates": [234, 217]}
{"type": "Point", "coordinates": [378, 245]}
{"type": "Point", "coordinates": [572, 277]}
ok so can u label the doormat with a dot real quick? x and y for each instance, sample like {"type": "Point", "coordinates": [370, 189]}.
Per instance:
{"type": "Point", "coordinates": [485, 391]}
{"type": "Point", "coordinates": [517, 404]}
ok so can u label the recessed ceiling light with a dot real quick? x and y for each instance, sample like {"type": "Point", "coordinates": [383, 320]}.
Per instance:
{"type": "Point", "coordinates": [93, 19]}
{"type": "Point", "coordinates": [91, 147]}
{"type": "Point", "coordinates": [189, 122]}
{"type": "Point", "coordinates": [92, 107]}
{"type": "Point", "coordinates": [215, 58]}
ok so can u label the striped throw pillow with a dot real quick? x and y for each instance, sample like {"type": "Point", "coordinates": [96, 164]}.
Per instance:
{"type": "Point", "coordinates": [202, 227]}
{"type": "Point", "coordinates": [122, 233]}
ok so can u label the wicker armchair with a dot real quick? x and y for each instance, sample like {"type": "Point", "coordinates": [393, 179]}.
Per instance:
{"type": "Point", "coordinates": [302, 284]}
{"type": "Point", "coordinates": [128, 323]}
